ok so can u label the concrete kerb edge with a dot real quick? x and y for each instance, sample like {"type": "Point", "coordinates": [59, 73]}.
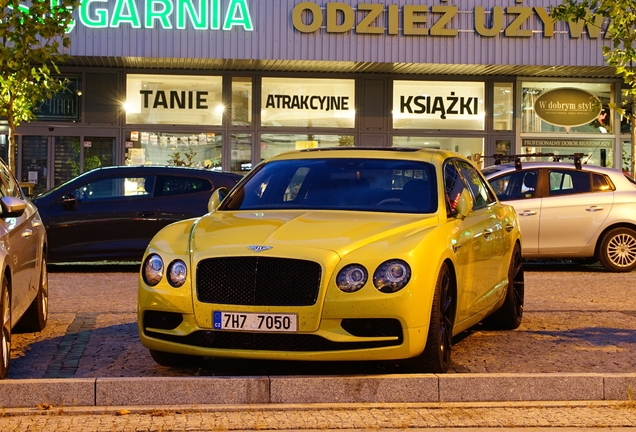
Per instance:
{"type": "Point", "coordinates": [296, 390]}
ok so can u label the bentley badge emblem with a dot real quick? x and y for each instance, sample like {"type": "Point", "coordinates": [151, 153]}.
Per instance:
{"type": "Point", "coordinates": [260, 248]}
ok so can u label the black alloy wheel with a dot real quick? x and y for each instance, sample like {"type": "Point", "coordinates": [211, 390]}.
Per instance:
{"type": "Point", "coordinates": [508, 316]}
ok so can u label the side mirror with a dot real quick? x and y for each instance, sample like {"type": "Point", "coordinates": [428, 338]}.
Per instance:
{"type": "Point", "coordinates": [12, 207]}
{"type": "Point", "coordinates": [465, 204]}
{"type": "Point", "coordinates": [216, 198]}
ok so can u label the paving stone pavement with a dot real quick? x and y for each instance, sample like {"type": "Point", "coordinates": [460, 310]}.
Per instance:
{"type": "Point", "coordinates": [464, 417]}
{"type": "Point", "coordinates": [577, 319]}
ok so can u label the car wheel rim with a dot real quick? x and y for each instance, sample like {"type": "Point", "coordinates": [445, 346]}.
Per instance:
{"type": "Point", "coordinates": [6, 330]}
{"type": "Point", "coordinates": [45, 291]}
{"type": "Point", "coordinates": [445, 332]}
{"type": "Point", "coordinates": [518, 283]}
{"type": "Point", "coordinates": [621, 250]}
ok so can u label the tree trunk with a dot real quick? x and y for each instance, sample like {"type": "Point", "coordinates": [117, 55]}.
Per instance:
{"type": "Point", "coordinates": [11, 149]}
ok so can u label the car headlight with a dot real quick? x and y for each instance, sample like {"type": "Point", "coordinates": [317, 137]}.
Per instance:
{"type": "Point", "coordinates": [392, 276]}
{"type": "Point", "coordinates": [352, 278]}
{"type": "Point", "coordinates": [153, 269]}
{"type": "Point", "coordinates": [177, 273]}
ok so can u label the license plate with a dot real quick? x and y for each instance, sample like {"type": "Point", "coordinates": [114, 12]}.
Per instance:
{"type": "Point", "coordinates": [255, 322]}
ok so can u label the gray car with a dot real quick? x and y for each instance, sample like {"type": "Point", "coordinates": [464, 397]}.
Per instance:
{"type": "Point", "coordinates": [573, 211]}
{"type": "Point", "coordinates": [24, 293]}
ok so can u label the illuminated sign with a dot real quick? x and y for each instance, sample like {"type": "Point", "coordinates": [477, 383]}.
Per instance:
{"type": "Point", "coordinates": [308, 102]}
{"type": "Point", "coordinates": [174, 99]}
{"type": "Point", "coordinates": [567, 107]}
{"type": "Point", "coordinates": [435, 20]}
{"type": "Point", "coordinates": [438, 105]}
{"type": "Point", "coordinates": [166, 14]}
{"type": "Point", "coordinates": [65, 105]}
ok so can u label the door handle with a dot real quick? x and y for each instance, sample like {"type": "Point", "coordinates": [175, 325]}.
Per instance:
{"type": "Point", "coordinates": [527, 213]}
{"type": "Point", "coordinates": [487, 233]}
{"type": "Point", "coordinates": [594, 209]}
{"type": "Point", "coordinates": [146, 213]}
{"type": "Point", "coordinates": [36, 223]}
{"type": "Point", "coordinates": [27, 233]}
{"type": "Point", "coordinates": [509, 227]}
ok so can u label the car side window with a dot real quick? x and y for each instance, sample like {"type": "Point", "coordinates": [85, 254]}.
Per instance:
{"type": "Point", "coordinates": [453, 187]}
{"type": "Point", "coordinates": [8, 186]}
{"type": "Point", "coordinates": [476, 184]}
{"type": "Point", "coordinates": [600, 183]}
{"type": "Point", "coordinates": [177, 185]}
{"type": "Point", "coordinates": [516, 185]}
{"type": "Point", "coordinates": [109, 188]}
{"type": "Point", "coordinates": [566, 182]}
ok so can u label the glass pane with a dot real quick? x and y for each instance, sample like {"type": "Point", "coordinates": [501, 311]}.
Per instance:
{"type": "Point", "coordinates": [600, 154]}
{"type": "Point", "coordinates": [34, 162]}
{"type": "Point", "coordinates": [241, 101]}
{"type": "Point", "coordinates": [98, 152]}
{"type": "Point", "coordinates": [438, 105]}
{"type": "Point", "coordinates": [241, 153]}
{"type": "Point", "coordinates": [273, 144]}
{"type": "Point", "coordinates": [571, 107]}
{"type": "Point", "coordinates": [178, 149]}
{"type": "Point", "coordinates": [308, 102]}
{"type": "Point", "coordinates": [178, 99]}
{"type": "Point", "coordinates": [67, 159]}
{"type": "Point", "coordinates": [472, 148]}
{"type": "Point", "coordinates": [503, 107]}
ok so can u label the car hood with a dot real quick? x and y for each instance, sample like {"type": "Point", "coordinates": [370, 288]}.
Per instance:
{"type": "Point", "coordinates": [336, 231]}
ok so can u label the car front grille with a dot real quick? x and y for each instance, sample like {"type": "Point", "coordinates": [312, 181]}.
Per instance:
{"type": "Point", "coordinates": [258, 281]}
{"type": "Point", "coordinates": [269, 341]}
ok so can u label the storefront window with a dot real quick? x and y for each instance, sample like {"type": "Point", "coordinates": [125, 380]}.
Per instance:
{"type": "Point", "coordinates": [308, 102]}
{"type": "Point", "coordinates": [566, 107]}
{"type": "Point", "coordinates": [627, 103]}
{"type": "Point", "coordinates": [273, 144]}
{"type": "Point", "coordinates": [472, 148]}
{"type": "Point", "coordinates": [503, 106]}
{"type": "Point", "coordinates": [98, 152]}
{"type": "Point", "coordinates": [171, 148]}
{"type": "Point", "coordinates": [241, 153]}
{"type": "Point", "coordinates": [438, 105]}
{"type": "Point", "coordinates": [174, 99]}
{"type": "Point", "coordinates": [241, 101]}
{"type": "Point", "coordinates": [595, 152]}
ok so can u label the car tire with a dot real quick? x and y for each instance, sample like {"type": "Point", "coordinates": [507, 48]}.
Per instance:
{"type": "Point", "coordinates": [618, 250]}
{"type": "Point", "coordinates": [5, 336]}
{"type": "Point", "coordinates": [36, 316]}
{"type": "Point", "coordinates": [508, 316]}
{"type": "Point", "coordinates": [437, 352]}
{"type": "Point", "coordinates": [173, 359]}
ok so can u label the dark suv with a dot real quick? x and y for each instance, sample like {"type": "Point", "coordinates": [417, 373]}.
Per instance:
{"type": "Point", "coordinates": [112, 213]}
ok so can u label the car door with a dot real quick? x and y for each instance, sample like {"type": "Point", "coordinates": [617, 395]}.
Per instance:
{"type": "Point", "coordinates": [106, 218]}
{"type": "Point", "coordinates": [480, 250]}
{"type": "Point", "coordinates": [519, 189]}
{"type": "Point", "coordinates": [574, 210]}
{"type": "Point", "coordinates": [181, 197]}
{"type": "Point", "coordinates": [20, 238]}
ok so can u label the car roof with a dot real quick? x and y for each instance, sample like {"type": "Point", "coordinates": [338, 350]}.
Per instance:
{"type": "Point", "coordinates": [410, 153]}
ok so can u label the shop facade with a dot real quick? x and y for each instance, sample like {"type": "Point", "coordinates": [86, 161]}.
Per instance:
{"type": "Point", "coordinates": [224, 84]}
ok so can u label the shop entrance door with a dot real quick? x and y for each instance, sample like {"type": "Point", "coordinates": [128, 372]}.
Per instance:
{"type": "Point", "coordinates": [48, 161]}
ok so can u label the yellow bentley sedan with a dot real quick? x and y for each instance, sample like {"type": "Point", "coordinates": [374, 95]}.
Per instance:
{"type": "Point", "coordinates": [336, 254]}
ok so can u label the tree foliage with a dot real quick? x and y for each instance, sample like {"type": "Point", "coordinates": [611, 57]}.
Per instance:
{"type": "Point", "coordinates": [619, 17]}
{"type": "Point", "coordinates": [32, 42]}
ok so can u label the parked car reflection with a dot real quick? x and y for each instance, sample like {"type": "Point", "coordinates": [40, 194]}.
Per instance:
{"type": "Point", "coordinates": [112, 213]}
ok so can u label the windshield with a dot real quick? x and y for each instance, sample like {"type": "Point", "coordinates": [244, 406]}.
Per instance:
{"type": "Point", "coordinates": [375, 185]}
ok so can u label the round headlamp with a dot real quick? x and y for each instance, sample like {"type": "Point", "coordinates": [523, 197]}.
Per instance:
{"type": "Point", "coordinates": [392, 276]}
{"type": "Point", "coordinates": [352, 278]}
{"type": "Point", "coordinates": [177, 273]}
{"type": "Point", "coordinates": [152, 270]}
